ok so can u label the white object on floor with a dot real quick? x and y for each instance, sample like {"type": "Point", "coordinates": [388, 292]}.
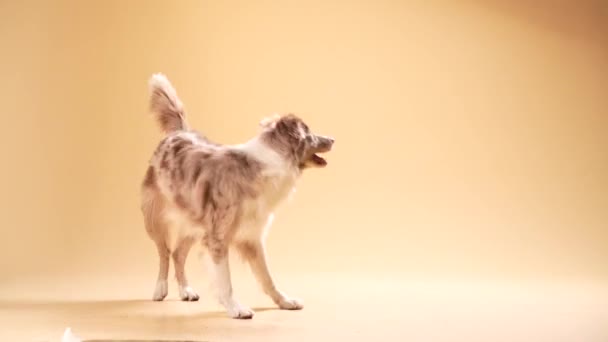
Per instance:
{"type": "Point", "coordinates": [68, 336]}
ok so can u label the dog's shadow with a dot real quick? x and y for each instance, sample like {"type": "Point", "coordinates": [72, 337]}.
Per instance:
{"type": "Point", "coordinates": [131, 320]}
{"type": "Point", "coordinates": [128, 309]}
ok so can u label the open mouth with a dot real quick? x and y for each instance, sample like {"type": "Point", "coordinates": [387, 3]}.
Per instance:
{"type": "Point", "coordinates": [317, 160]}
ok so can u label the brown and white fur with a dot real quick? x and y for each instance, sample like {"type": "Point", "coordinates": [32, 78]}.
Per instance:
{"type": "Point", "coordinates": [196, 191]}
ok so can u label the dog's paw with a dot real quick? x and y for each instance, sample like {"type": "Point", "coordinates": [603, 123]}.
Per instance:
{"type": "Point", "coordinates": [161, 291]}
{"type": "Point", "coordinates": [290, 304]}
{"type": "Point", "coordinates": [187, 294]}
{"type": "Point", "coordinates": [238, 311]}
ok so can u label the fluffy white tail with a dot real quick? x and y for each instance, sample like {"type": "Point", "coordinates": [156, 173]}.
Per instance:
{"type": "Point", "coordinates": [166, 105]}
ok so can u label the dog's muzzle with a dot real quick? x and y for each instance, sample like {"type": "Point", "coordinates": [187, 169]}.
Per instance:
{"type": "Point", "coordinates": [323, 144]}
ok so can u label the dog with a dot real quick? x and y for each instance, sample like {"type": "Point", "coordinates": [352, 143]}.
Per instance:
{"type": "Point", "coordinates": [196, 191]}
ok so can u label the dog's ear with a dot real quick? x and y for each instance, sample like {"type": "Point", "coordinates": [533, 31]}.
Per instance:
{"type": "Point", "coordinates": [270, 121]}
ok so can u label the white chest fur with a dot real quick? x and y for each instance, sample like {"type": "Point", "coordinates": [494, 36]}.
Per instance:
{"type": "Point", "coordinates": [279, 180]}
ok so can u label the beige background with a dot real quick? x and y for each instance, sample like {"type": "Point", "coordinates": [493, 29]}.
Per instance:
{"type": "Point", "coordinates": [471, 147]}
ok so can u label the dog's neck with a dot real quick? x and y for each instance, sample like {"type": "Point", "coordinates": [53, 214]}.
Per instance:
{"type": "Point", "coordinates": [259, 148]}
{"type": "Point", "coordinates": [279, 173]}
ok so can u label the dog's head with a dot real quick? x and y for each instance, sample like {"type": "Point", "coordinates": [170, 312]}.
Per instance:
{"type": "Point", "coordinates": [291, 137]}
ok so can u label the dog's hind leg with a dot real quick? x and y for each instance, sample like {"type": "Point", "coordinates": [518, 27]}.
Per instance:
{"type": "Point", "coordinates": [152, 207]}
{"type": "Point", "coordinates": [162, 286]}
{"type": "Point", "coordinates": [180, 254]}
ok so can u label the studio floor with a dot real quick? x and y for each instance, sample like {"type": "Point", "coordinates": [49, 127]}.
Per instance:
{"type": "Point", "coordinates": [336, 309]}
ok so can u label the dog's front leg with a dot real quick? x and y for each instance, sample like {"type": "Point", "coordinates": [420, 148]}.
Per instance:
{"type": "Point", "coordinates": [255, 254]}
{"type": "Point", "coordinates": [220, 270]}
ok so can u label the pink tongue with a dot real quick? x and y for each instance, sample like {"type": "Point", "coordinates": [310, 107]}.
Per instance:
{"type": "Point", "coordinates": [319, 160]}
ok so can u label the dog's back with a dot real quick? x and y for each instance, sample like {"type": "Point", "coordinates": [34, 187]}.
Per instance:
{"type": "Point", "coordinates": [214, 186]}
